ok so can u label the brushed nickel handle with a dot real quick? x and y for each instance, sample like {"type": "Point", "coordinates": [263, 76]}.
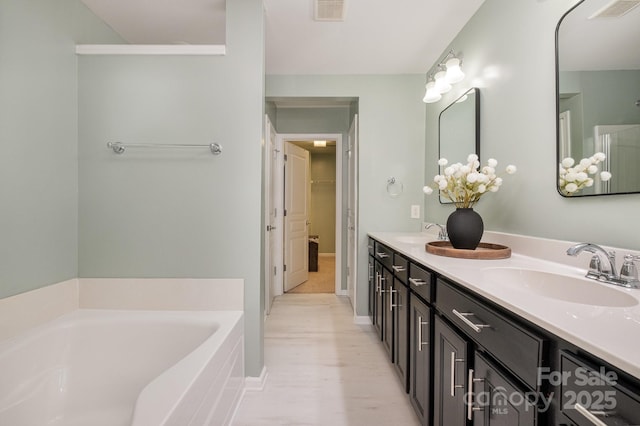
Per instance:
{"type": "Point", "coordinates": [370, 272]}
{"type": "Point", "coordinates": [470, 407]}
{"type": "Point", "coordinates": [463, 316]}
{"type": "Point", "coordinates": [391, 305]}
{"type": "Point", "coordinates": [382, 255]}
{"type": "Point", "coordinates": [453, 373]}
{"type": "Point", "coordinates": [420, 324]}
{"type": "Point", "coordinates": [417, 282]}
{"type": "Point", "coordinates": [591, 415]}
{"type": "Point", "coordinates": [398, 268]}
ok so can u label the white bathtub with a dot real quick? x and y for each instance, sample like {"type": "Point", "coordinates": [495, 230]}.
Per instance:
{"type": "Point", "coordinates": [112, 368]}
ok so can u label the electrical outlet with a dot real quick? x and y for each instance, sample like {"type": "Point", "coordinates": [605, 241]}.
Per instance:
{"type": "Point", "coordinates": [415, 211]}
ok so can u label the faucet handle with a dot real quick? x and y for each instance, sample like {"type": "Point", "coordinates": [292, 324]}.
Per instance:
{"type": "Point", "coordinates": [629, 271]}
{"type": "Point", "coordinates": [595, 267]}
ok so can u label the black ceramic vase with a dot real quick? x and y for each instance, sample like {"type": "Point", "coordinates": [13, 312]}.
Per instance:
{"type": "Point", "coordinates": [465, 228]}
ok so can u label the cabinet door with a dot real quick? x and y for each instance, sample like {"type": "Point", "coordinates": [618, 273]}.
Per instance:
{"type": "Point", "coordinates": [400, 306]}
{"type": "Point", "coordinates": [372, 288]}
{"type": "Point", "coordinates": [387, 318]}
{"type": "Point", "coordinates": [451, 362]}
{"type": "Point", "coordinates": [420, 359]}
{"type": "Point", "coordinates": [378, 299]}
{"type": "Point", "coordinates": [494, 400]}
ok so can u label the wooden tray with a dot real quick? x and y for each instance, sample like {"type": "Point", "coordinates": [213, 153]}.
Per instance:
{"type": "Point", "coordinates": [483, 251]}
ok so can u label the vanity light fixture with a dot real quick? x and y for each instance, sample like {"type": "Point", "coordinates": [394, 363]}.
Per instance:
{"type": "Point", "coordinates": [431, 95]}
{"type": "Point", "coordinates": [454, 72]}
{"type": "Point", "coordinates": [320, 144]}
{"type": "Point", "coordinates": [448, 72]}
{"type": "Point", "coordinates": [442, 85]}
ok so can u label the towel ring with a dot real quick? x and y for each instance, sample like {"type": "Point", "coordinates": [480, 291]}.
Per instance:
{"type": "Point", "coordinates": [394, 187]}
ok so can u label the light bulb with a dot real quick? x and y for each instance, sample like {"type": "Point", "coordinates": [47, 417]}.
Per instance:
{"type": "Point", "coordinates": [431, 94]}
{"type": "Point", "coordinates": [454, 72]}
{"type": "Point", "coordinates": [442, 86]}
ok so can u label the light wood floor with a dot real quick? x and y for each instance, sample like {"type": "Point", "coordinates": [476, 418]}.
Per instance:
{"type": "Point", "coordinates": [322, 281]}
{"type": "Point", "coordinates": [324, 370]}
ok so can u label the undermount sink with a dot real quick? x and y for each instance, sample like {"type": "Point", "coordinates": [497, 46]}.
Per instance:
{"type": "Point", "coordinates": [561, 287]}
{"type": "Point", "coordinates": [412, 239]}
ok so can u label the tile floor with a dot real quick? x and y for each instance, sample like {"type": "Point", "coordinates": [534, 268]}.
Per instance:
{"type": "Point", "coordinates": [324, 370]}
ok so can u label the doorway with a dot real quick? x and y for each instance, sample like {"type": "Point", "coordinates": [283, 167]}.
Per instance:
{"type": "Point", "coordinates": [336, 117]}
{"type": "Point", "coordinates": [320, 200]}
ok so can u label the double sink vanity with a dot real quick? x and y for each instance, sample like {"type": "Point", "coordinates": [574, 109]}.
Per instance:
{"type": "Point", "coordinates": [526, 340]}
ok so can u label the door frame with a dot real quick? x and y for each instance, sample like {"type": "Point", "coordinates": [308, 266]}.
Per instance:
{"type": "Point", "coordinates": [281, 138]}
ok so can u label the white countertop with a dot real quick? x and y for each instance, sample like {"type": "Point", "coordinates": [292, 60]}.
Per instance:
{"type": "Point", "coordinates": [610, 333]}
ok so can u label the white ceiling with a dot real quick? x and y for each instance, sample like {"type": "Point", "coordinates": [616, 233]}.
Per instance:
{"type": "Point", "coordinates": [376, 37]}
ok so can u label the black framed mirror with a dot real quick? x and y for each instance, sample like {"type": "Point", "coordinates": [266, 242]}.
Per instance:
{"type": "Point", "coordinates": [459, 129]}
{"type": "Point", "coordinates": [598, 97]}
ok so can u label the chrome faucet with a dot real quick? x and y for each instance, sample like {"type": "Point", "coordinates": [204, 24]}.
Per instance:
{"type": "Point", "coordinates": [442, 234]}
{"type": "Point", "coordinates": [607, 272]}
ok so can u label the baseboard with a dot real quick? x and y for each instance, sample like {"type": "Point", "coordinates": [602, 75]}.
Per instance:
{"type": "Point", "coordinates": [256, 383]}
{"type": "Point", "coordinates": [362, 320]}
{"type": "Point", "coordinates": [342, 292]}
{"type": "Point", "coordinates": [327, 254]}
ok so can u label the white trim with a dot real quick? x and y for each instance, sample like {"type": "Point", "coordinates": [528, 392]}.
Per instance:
{"type": "Point", "coordinates": [151, 49]}
{"type": "Point", "coordinates": [362, 320]}
{"type": "Point", "coordinates": [256, 383]}
{"type": "Point", "coordinates": [327, 254]}
{"type": "Point", "coordinates": [342, 292]}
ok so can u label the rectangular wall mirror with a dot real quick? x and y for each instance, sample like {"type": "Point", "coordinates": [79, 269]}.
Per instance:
{"type": "Point", "coordinates": [459, 129]}
{"type": "Point", "coordinates": [598, 93]}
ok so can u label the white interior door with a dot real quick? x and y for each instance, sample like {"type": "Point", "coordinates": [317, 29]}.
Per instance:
{"type": "Point", "coordinates": [273, 232]}
{"type": "Point", "coordinates": [296, 216]}
{"type": "Point", "coordinates": [352, 212]}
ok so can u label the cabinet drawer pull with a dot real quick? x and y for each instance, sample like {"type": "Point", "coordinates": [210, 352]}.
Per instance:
{"type": "Point", "coordinates": [398, 268]}
{"type": "Point", "coordinates": [382, 255]}
{"type": "Point", "coordinates": [463, 316]}
{"type": "Point", "coordinates": [417, 282]}
{"type": "Point", "coordinates": [370, 272]}
{"type": "Point", "coordinates": [453, 373]}
{"type": "Point", "coordinates": [391, 305]}
{"type": "Point", "coordinates": [377, 282]}
{"type": "Point", "coordinates": [470, 407]}
{"type": "Point", "coordinates": [591, 415]}
{"type": "Point", "coordinates": [419, 325]}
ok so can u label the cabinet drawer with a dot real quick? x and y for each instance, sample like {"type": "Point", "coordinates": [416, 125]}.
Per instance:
{"type": "Point", "coordinates": [516, 348]}
{"type": "Point", "coordinates": [371, 246]}
{"type": "Point", "coordinates": [384, 254]}
{"type": "Point", "coordinates": [400, 268]}
{"type": "Point", "coordinates": [420, 281]}
{"type": "Point", "coordinates": [592, 393]}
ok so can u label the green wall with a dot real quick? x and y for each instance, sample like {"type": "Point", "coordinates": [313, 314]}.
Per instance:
{"type": "Point", "coordinates": [508, 51]}
{"type": "Point", "coordinates": [391, 143]}
{"type": "Point", "coordinates": [177, 213]}
{"type": "Point", "coordinates": [38, 138]}
{"type": "Point", "coordinates": [323, 201]}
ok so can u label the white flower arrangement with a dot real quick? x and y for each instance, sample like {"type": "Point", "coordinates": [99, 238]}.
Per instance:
{"type": "Point", "coordinates": [574, 177]}
{"type": "Point", "coordinates": [464, 184]}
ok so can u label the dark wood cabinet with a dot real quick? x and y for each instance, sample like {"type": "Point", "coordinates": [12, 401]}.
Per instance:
{"type": "Point", "coordinates": [372, 287]}
{"type": "Point", "coordinates": [494, 400]}
{"type": "Point", "coordinates": [400, 305]}
{"type": "Point", "coordinates": [387, 317]}
{"type": "Point", "coordinates": [451, 363]}
{"type": "Point", "coordinates": [466, 360]}
{"type": "Point", "coordinates": [420, 359]}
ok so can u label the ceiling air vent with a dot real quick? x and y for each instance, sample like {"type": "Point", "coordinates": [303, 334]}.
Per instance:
{"type": "Point", "coordinates": [329, 10]}
{"type": "Point", "coordinates": [615, 9]}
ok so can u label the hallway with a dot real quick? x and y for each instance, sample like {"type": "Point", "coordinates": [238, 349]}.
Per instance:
{"type": "Point", "coordinates": [324, 370]}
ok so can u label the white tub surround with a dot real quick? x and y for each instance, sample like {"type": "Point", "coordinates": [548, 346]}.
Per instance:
{"type": "Point", "coordinates": [123, 352]}
{"type": "Point", "coordinates": [602, 330]}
